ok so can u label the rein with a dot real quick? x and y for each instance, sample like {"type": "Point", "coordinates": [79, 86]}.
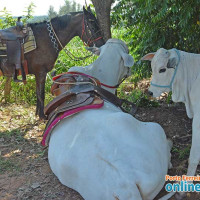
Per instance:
{"type": "Point", "coordinates": [88, 38]}
{"type": "Point", "coordinates": [91, 77]}
{"type": "Point", "coordinates": [52, 33]}
{"type": "Point", "coordinates": [61, 87]}
{"type": "Point", "coordinates": [73, 57]}
{"type": "Point", "coordinates": [173, 77]}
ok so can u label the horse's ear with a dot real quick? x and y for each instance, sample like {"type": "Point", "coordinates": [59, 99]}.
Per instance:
{"type": "Point", "coordinates": [84, 10]}
{"type": "Point", "coordinates": [89, 9]}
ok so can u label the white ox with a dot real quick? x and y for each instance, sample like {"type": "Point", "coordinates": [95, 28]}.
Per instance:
{"type": "Point", "coordinates": [179, 72]}
{"type": "Point", "coordinates": [107, 154]}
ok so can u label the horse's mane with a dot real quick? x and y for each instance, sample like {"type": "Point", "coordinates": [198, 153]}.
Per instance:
{"type": "Point", "coordinates": [61, 21]}
{"type": "Point", "coordinates": [75, 13]}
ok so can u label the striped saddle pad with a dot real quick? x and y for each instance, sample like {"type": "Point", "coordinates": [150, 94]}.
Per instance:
{"type": "Point", "coordinates": [29, 45]}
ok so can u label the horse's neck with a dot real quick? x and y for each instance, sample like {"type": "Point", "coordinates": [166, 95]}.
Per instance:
{"type": "Point", "coordinates": [65, 29]}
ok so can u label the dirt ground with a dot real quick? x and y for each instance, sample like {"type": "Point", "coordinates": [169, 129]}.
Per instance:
{"type": "Point", "coordinates": [24, 168]}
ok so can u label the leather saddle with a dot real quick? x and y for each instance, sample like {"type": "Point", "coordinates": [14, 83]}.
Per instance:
{"type": "Point", "coordinates": [74, 91]}
{"type": "Point", "coordinates": [14, 38]}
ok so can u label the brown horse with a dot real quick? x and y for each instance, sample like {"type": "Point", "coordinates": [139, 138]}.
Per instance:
{"type": "Point", "coordinates": [42, 59]}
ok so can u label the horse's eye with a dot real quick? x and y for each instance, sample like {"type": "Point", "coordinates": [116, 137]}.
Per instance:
{"type": "Point", "coordinates": [162, 70]}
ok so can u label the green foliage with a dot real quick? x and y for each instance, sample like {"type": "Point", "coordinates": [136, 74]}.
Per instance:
{"type": "Point", "coordinates": [182, 153]}
{"type": "Point", "coordinates": [7, 165]}
{"type": "Point", "coordinates": [26, 93]}
{"type": "Point", "coordinates": [69, 6]}
{"type": "Point", "coordinates": [136, 96]}
{"type": "Point", "coordinates": [77, 49]}
{"type": "Point", "coordinates": [140, 69]}
{"type": "Point", "coordinates": [149, 25]}
{"type": "Point", "coordinates": [51, 12]}
{"type": "Point", "coordinates": [28, 12]}
{"type": "Point", "coordinates": [169, 98]}
{"type": "Point", "coordinates": [7, 20]}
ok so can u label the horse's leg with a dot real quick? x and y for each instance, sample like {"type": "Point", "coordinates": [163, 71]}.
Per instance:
{"type": "Point", "coordinates": [40, 93]}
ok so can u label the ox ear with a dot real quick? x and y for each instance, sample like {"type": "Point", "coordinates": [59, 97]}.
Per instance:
{"type": "Point", "coordinates": [148, 56]}
{"type": "Point", "coordinates": [94, 50]}
{"type": "Point", "coordinates": [128, 60]}
{"type": "Point", "coordinates": [171, 63]}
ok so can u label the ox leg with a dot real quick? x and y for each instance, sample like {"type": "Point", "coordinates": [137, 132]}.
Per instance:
{"type": "Point", "coordinates": [195, 148]}
{"type": "Point", "coordinates": [194, 152]}
{"type": "Point", "coordinates": [40, 92]}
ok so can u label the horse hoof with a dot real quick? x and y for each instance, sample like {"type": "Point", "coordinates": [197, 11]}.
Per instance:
{"type": "Point", "coordinates": [180, 195]}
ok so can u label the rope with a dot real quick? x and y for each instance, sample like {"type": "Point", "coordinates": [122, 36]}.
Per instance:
{"type": "Point", "coordinates": [66, 50]}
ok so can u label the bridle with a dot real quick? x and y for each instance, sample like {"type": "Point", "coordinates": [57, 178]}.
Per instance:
{"type": "Point", "coordinates": [53, 36]}
{"type": "Point", "coordinates": [89, 39]}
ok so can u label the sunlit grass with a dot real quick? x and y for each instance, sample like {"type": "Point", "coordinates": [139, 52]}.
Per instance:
{"type": "Point", "coordinates": [7, 165]}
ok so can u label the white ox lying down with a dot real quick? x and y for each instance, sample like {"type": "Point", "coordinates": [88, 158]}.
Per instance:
{"type": "Point", "coordinates": [179, 72]}
{"type": "Point", "coordinates": [107, 154]}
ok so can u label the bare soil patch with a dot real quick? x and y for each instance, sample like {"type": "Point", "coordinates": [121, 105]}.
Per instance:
{"type": "Point", "coordinates": [24, 168]}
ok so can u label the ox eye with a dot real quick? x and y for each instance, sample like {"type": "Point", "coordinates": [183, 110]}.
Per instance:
{"type": "Point", "coordinates": [162, 70]}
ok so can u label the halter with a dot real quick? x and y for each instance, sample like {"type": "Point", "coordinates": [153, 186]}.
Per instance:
{"type": "Point", "coordinates": [91, 77]}
{"type": "Point", "coordinates": [173, 77]}
{"type": "Point", "coordinates": [89, 39]}
{"type": "Point", "coordinates": [54, 37]}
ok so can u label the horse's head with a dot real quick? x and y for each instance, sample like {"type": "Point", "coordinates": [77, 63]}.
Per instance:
{"type": "Point", "coordinates": [91, 32]}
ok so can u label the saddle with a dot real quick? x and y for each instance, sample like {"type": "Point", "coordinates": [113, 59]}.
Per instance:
{"type": "Point", "coordinates": [74, 93]}
{"type": "Point", "coordinates": [14, 38]}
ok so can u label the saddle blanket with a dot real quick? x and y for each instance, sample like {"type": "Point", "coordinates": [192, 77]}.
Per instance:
{"type": "Point", "coordinates": [47, 133]}
{"type": "Point", "coordinates": [29, 45]}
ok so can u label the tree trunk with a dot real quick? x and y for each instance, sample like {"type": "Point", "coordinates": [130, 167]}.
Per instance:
{"type": "Point", "coordinates": [103, 8]}
{"type": "Point", "coordinates": [7, 89]}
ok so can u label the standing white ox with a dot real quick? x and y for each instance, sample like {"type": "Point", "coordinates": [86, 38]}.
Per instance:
{"type": "Point", "coordinates": [106, 154]}
{"type": "Point", "coordinates": [179, 72]}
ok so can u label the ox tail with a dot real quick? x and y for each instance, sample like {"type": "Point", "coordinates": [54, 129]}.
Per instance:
{"type": "Point", "coordinates": [167, 196]}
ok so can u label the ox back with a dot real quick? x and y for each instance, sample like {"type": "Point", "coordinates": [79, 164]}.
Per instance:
{"type": "Point", "coordinates": [74, 91]}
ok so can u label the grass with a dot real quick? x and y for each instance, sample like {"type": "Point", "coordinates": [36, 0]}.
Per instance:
{"type": "Point", "coordinates": [20, 136]}
{"type": "Point", "coordinates": [182, 153]}
{"type": "Point", "coordinates": [21, 93]}
{"type": "Point", "coordinates": [7, 165]}
{"type": "Point", "coordinates": [136, 96]}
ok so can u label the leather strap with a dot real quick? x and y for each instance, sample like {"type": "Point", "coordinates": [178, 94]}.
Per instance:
{"type": "Point", "coordinates": [64, 91]}
{"type": "Point", "coordinates": [87, 99]}
{"type": "Point", "coordinates": [114, 99]}
{"type": "Point", "coordinates": [65, 96]}
{"type": "Point", "coordinates": [72, 102]}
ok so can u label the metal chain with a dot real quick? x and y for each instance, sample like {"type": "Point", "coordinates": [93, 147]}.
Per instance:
{"type": "Point", "coordinates": [54, 40]}
{"type": "Point", "coordinates": [52, 36]}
